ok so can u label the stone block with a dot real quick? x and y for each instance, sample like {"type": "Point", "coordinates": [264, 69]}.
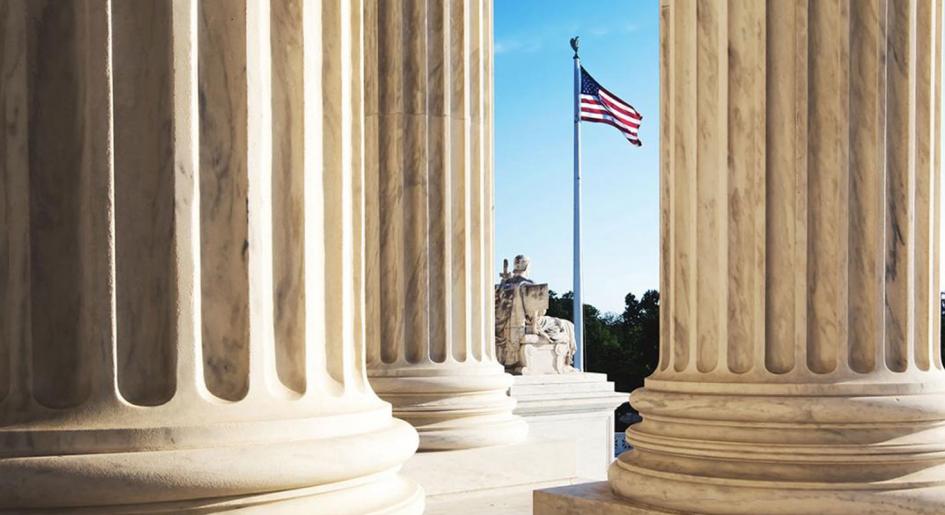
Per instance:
{"type": "Point", "coordinates": [576, 406]}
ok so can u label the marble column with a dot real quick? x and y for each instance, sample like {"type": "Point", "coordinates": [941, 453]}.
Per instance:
{"type": "Point", "coordinates": [429, 221]}
{"type": "Point", "coordinates": [800, 369]}
{"type": "Point", "coordinates": [181, 261]}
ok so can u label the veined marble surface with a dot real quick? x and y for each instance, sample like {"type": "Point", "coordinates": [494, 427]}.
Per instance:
{"type": "Point", "coordinates": [800, 369]}
{"type": "Point", "coordinates": [181, 289]}
{"type": "Point", "coordinates": [429, 222]}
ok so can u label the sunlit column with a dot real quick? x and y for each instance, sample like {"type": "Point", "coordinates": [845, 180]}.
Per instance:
{"type": "Point", "coordinates": [800, 369]}
{"type": "Point", "coordinates": [429, 221]}
{"type": "Point", "coordinates": [181, 261]}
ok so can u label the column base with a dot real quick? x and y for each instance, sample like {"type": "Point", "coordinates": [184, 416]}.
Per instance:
{"type": "Point", "coordinates": [682, 494]}
{"type": "Point", "coordinates": [598, 498]}
{"type": "Point", "coordinates": [246, 466]}
{"type": "Point", "coordinates": [389, 494]}
{"type": "Point", "coordinates": [812, 448]}
{"type": "Point", "coordinates": [459, 407]}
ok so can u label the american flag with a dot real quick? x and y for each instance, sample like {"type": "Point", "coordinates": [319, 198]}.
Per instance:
{"type": "Point", "coordinates": [601, 106]}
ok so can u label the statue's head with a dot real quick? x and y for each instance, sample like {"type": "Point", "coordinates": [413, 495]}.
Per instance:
{"type": "Point", "coordinates": [521, 264]}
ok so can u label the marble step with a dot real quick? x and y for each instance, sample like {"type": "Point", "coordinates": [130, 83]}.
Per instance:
{"type": "Point", "coordinates": [543, 388]}
{"type": "Point", "coordinates": [592, 497]}
{"type": "Point", "coordinates": [535, 460]}
{"type": "Point", "coordinates": [558, 394]}
{"type": "Point", "coordinates": [579, 377]}
{"type": "Point", "coordinates": [514, 500]}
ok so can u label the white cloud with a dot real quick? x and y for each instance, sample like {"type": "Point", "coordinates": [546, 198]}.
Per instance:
{"type": "Point", "coordinates": [509, 46]}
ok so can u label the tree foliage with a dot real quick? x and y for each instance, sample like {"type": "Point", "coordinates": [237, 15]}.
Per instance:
{"type": "Point", "coordinates": [624, 346]}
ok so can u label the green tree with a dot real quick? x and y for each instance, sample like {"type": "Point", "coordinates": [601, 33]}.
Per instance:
{"type": "Point", "coordinates": [560, 307]}
{"type": "Point", "coordinates": [642, 323]}
{"type": "Point", "coordinates": [625, 346]}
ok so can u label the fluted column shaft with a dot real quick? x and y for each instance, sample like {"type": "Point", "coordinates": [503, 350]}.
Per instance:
{"type": "Point", "coordinates": [429, 221]}
{"type": "Point", "coordinates": [799, 369]}
{"type": "Point", "coordinates": [181, 260]}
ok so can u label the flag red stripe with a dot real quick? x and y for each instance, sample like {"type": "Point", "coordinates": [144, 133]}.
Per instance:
{"type": "Point", "coordinates": [608, 116]}
{"type": "Point", "coordinates": [610, 121]}
{"type": "Point", "coordinates": [602, 110]}
{"type": "Point", "coordinates": [586, 99]}
{"type": "Point", "coordinates": [617, 105]}
{"type": "Point", "coordinates": [628, 133]}
{"type": "Point", "coordinates": [632, 138]}
{"type": "Point", "coordinates": [614, 99]}
{"type": "Point", "coordinates": [628, 126]}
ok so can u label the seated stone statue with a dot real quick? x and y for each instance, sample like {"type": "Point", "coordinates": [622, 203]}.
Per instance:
{"type": "Point", "coordinates": [527, 341]}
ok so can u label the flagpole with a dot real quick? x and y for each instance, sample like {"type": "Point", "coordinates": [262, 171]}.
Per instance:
{"type": "Point", "coordinates": [578, 303]}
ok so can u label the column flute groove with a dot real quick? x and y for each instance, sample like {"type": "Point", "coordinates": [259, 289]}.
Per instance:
{"type": "Point", "coordinates": [185, 269]}
{"type": "Point", "coordinates": [143, 193]}
{"type": "Point", "coordinates": [15, 362]}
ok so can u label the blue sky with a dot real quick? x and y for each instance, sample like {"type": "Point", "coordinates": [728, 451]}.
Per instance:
{"type": "Point", "coordinates": [533, 144]}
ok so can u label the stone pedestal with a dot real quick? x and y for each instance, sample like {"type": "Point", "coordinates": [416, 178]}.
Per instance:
{"type": "Point", "coordinates": [181, 251]}
{"type": "Point", "coordinates": [570, 426]}
{"type": "Point", "coordinates": [799, 369]}
{"type": "Point", "coordinates": [579, 407]}
{"type": "Point", "coordinates": [429, 222]}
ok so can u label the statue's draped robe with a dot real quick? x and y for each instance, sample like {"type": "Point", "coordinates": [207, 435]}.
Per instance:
{"type": "Point", "coordinates": [508, 300]}
{"type": "Point", "coordinates": [512, 316]}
